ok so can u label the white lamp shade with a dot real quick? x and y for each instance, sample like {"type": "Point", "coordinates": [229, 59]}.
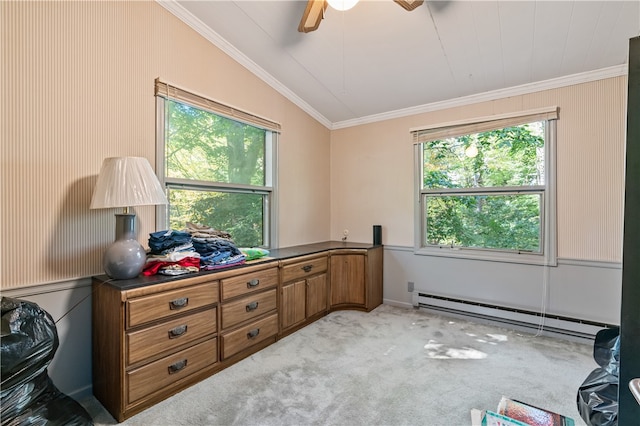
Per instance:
{"type": "Point", "coordinates": [126, 182]}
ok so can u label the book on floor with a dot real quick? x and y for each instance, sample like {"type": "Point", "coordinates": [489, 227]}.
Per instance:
{"type": "Point", "coordinates": [494, 419]}
{"type": "Point", "coordinates": [531, 415]}
{"type": "Point", "coordinates": [490, 418]}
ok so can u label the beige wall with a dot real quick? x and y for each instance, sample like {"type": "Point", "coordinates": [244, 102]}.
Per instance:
{"type": "Point", "coordinates": [372, 169]}
{"type": "Point", "coordinates": [77, 86]}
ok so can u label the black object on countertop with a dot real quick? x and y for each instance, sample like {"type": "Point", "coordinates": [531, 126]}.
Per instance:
{"type": "Point", "coordinates": [377, 235]}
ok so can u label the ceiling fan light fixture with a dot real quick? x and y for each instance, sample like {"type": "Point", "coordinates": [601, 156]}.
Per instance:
{"type": "Point", "coordinates": [342, 4]}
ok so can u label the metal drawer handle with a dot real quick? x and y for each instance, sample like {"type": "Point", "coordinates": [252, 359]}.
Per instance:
{"type": "Point", "coordinates": [307, 268]}
{"type": "Point", "coordinates": [253, 283]}
{"type": "Point", "coordinates": [253, 333]}
{"type": "Point", "coordinates": [174, 368]}
{"type": "Point", "coordinates": [178, 331]}
{"type": "Point", "coordinates": [252, 306]}
{"type": "Point", "coordinates": [179, 303]}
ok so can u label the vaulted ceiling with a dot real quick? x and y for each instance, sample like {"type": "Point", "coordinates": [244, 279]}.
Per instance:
{"type": "Point", "coordinates": [380, 60]}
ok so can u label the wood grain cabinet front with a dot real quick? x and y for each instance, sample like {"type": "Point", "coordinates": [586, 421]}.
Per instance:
{"type": "Point", "coordinates": [170, 370]}
{"type": "Point", "coordinates": [348, 279]}
{"type": "Point", "coordinates": [304, 291]}
{"type": "Point", "coordinates": [154, 336]}
{"type": "Point", "coordinates": [249, 312]}
{"type": "Point", "coordinates": [246, 283]}
{"type": "Point", "coordinates": [170, 303]}
{"type": "Point", "coordinates": [150, 342]}
{"type": "Point", "coordinates": [248, 308]}
{"type": "Point", "coordinates": [356, 278]}
{"type": "Point", "coordinates": [245, 337]}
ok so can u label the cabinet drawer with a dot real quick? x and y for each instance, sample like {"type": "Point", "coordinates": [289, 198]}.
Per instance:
{"type": "Point", "coordinates": [168, 303]}
{"type": "Point", "coordinates": [300, 270]}
{"type": "Point", "coordinates": [162, 373]}
{"type": "Point", "coordinates": [252, 306]}
{"type": "Point", "coordinates": [170, 335]}
{"type": "Point", "coordinates": [249, 283]}
{"type": "Point", "coordinates": [249, 335]}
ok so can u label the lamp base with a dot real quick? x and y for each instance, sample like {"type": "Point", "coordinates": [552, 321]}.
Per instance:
{"type": "Point", "coordinates": [125, 257]}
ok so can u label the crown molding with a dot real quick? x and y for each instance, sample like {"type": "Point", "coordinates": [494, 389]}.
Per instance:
{"type": "Point", "coordinates": [188, 18]}
{"type": "Point", "coordinates": [554, 83]}
{"type": "Point", "coordinates": [196, 24]}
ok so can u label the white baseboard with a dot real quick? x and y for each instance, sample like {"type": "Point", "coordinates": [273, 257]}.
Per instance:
{"type": "Point", "coordinates": [81, 393]}
{"type": "Point", "coordinates": [531, 321]}
{"type": "Point", "coordinates": [396, 303]}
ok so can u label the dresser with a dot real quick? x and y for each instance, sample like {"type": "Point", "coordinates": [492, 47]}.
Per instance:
{"type": "Point", "coordinates": [155, 336]}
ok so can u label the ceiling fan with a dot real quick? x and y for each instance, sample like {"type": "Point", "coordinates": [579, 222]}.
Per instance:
{"type": "Point", "coordinates": [314, 12]}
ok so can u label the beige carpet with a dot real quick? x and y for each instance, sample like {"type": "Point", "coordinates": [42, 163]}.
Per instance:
{"type": "Point", "coordinates": [392, 366]}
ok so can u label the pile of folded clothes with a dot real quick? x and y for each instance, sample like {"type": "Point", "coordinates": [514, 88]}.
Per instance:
{"type": "Point", "coordinates": [197, 247]}
{"type": "Point", "coordinates": [171, 253]}
{"type": "Point", "coordinates": [216, 248]}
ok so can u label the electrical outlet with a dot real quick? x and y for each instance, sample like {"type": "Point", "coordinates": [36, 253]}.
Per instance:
{"type": "Point", "coordinates": [345, 232]}
{"type": "Point", "coordinates": [410, 286]}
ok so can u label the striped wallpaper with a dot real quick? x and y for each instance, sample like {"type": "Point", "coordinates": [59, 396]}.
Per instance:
{"type": "Point", "coordinates": [77, 86]}
{"type": "Point", "coordinates": [590, 171]}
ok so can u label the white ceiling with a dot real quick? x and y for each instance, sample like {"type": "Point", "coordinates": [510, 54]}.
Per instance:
{"type": "Point", "coordinates": [378, 60]}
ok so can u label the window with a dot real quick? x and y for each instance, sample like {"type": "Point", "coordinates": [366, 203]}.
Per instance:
{"type": "Point", "coordinates": [217, 165]}
{"type": "Point", "coordinates": [486, 188]}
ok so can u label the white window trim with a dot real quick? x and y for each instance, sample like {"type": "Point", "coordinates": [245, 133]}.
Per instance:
{"type": "Point", "coordinates": [270, 230]}
{"type": "Point", "coordinates": [549, 255]}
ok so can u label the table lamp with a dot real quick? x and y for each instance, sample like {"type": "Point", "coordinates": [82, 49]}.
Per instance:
{"type": "Point", "coordinates": [125, 182]}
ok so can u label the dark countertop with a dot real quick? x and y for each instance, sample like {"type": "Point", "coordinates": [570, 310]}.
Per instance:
{"type": "Point", "coordinates": [301, 250]}
{"type": "Point", "coordinates": [275, 255]}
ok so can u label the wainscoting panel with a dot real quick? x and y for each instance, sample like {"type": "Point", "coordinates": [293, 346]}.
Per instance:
{"type": "Point", "coordinates": [69, 303]}
{"type": "Point", "coordinates": [581, 290]}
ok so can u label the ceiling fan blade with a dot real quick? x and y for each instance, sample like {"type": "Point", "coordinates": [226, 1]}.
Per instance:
{"type": "Point", "coordinates": [409, 4]}
{"type": "Point", "coordinates": [313, 14]}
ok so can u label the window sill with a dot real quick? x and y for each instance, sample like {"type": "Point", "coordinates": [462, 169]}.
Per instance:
{"type": "Point", "coordinates": [486, 255]}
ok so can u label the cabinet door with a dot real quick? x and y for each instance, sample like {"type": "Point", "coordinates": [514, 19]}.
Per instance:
{"type": "Point", "coordinates": [347, 279]}
{"type": "Point", "coordinates": [292, 303]}
{"type": "Point", "coordinates": [316, 294]}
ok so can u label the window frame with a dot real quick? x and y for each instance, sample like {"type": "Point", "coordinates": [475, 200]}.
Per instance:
{"type": "Point", "coordinates": [548, 254]}
{"type": "Point", "coordinates": [268, 191]}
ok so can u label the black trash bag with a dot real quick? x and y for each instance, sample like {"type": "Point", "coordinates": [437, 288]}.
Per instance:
{"type": "Point", "coordinates": [598, 399]}
{"type": "Point", "coordinates": [29, 340]}
{"type": "Point", "coordinates": [598, 395]}
{"type": "Point", "coordinates": [606, 350]}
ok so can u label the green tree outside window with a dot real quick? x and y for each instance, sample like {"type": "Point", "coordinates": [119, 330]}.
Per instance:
{"type": "Point", "coordinates": [485, 190]}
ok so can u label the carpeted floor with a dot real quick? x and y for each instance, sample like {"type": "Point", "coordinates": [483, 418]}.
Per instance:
{"type": "Point", "coordinates": [392, 366]}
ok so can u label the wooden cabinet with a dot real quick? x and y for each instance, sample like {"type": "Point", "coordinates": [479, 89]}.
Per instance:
{"type": "Point", "coordinates": [249, 313]}
{"type": "Point", "coordinates": [356, 278]}
{"type": "Point", "coordinates": [347, 279]}
{"type": "Point", "coordinates": [304, 290]}
{"type": "Point", "coordinates": [150, 342]}
{"type": "Point", "coordinates": [317, 294]}
{"type": "Point", "coordinates": [154, 336]}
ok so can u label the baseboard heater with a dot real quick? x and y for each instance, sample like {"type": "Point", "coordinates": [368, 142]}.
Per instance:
{"type": "Point", "coordinates": [553, 324]}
